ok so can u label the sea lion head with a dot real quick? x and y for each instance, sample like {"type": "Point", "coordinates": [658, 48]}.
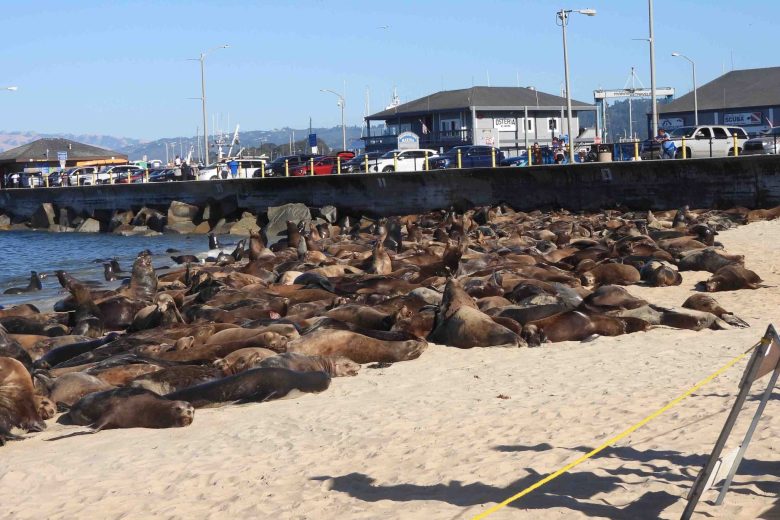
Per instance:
{"type": "Point", "coordinates": [587, 278]}
{"type": "Point", "coordinates": [343, 366]}
{"type": "Point", "coordinates": [183, 413]}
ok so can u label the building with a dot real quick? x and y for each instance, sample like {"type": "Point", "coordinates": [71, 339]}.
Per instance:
{"type": "Point", "coordinates": [511, 118]}
{"type": "Point", "coordinates": [748, 98]}
{"type": "Point", "coordinates": [48, 154]}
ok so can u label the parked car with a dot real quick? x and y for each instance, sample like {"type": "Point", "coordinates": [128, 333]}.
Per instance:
{"type": "Point", "coordinates": [324, 165]}
{"type": "Point", "coordinates": [276, 167]}
{"type": "Point", "coordinates": [164, 175]}
{"type": "Point", "coordinates": [345, 155]}
{"type": "Point", "coordinates": [470, 157]}
{"type": "Point", "coordinates": [23, 180]}
{"type": "Point", "coordinates": [128, 176]}
{"type": "Point", "coordinates": [358, 163]}
{"type": "Point", "coordinates": [116, 174]}
{"type": "Point", "coordinates": [82, 175]}
{"type": "Point", "coordinates": [403, 160]}
{"type": "Point", "coordinates": [700, 141]}
{"type": "Point", "coordinates": [520, 160]}
{"type": "Point", "coordinates": [766, 144]}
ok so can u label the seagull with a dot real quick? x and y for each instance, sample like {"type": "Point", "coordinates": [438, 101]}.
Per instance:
{"type": "Point", "coordinates": [383, 27]}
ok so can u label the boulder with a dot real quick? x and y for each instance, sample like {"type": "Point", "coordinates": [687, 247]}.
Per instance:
{"type": "Point", "coordinates": [120, 218]}
{"type": "Point", "coordinates": [222, 227]}
{"type": "Point", "coordinates": [279, 215]}
{"type": "Point", "coordinates": [150, 217]}
{"type": "Point", "coordinates": [182, 228]}
{"type": "Point", "coordinates": [202, 228]}
{"type": "Point", "coordinates": [181, 212]}
{"type": "Point", "coordinates": [138, 230]}
{"type": "Point", "coordinates": [329, 213]}
{"type": "Point", "coordinates": [43, 218]}
{"type": "Point", "coordinates": [89, 226]}
{"type": "Point", "coordinates": [5, 222]}
{"type": "Point", "coordinates": [247, 224]}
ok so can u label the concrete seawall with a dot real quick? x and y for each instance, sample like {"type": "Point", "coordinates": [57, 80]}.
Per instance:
{"type": "Point", "coordinates": [744, 181]}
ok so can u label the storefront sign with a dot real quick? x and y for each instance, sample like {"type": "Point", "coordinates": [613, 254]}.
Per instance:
{"type": "Point", "coordinates": [743, 119]}
{"type": "Point", "coordinates": [505, 124]}
{"type": "Point", "coordinates": [671, 123]}
{"type": "Point", "coordinates": [408, 141]}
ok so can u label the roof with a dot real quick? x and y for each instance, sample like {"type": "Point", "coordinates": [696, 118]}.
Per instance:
{"type": "Point", "coordinates": [735, 89]}
{"type": "Point", "coordinates": [46, 150]}
{"type": "Point", "coordinates": [481, 97]}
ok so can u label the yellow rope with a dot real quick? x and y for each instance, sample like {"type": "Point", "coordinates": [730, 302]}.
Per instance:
{"type": "Point", "coordinates": [616, 438]}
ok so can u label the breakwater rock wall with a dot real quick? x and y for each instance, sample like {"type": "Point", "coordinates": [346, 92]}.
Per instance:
{"type": "Point", "coordinates": [742, 181]}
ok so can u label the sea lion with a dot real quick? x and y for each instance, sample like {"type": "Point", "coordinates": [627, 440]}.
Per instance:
{"type": "Point", "coordinates": [18, 407]}
{"type": "Point", "coordinates": [25, 309]}
{"type": "Point", "coordinates": [355, 346]}
{"type": "Point", "coordinates": [61, 354]}
{"type": "Point", "coordinates": [362, 316]}
{"type": "Point", "coordinates": [34, 285]}
{"type": "Point", "coordinates": [162, 313]}
{"type": "Point", "coordinates": [10, 348]}
{"type": "Point", "coordinates": [732, 278]}
{"type": "Point", "coordinates": [459, 323]}
{"type": "Point", "coordinates": [175, 378]}
{"type": "Point", "coordinates": [571, 326]}
{"type": "Point", "coordinates": [708, 259]}
{"type": "Point", "coordinates": [257, 384]}
{"type": "Point", "coordinates": [122, 375]}
{"type": "Point", "coordinates": [705, 303]}
{"type": "Point", "coordinates": [69, 388]}
{"type": "Point", "coordinates": [333, 366]}
{"type": "Point", "coordinates": [242, 359]}
{"type": "Point", "coordinates": [658, 274]}
{"type": "Point", "coordinates": [144, 411]}
{"type": "Point", "coordinates": [143, 281]}
{"type": "Point", "coordinates": [611, 274]}
{"type": "Point", "coordinates": [89, 408]}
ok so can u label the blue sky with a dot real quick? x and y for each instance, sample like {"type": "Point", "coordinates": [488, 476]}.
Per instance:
{"type": "Point", "coordinates": [121, 68]}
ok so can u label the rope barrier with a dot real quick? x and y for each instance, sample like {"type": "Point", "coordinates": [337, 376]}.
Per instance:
{"type": "Point", "coordinates": [628, 431]}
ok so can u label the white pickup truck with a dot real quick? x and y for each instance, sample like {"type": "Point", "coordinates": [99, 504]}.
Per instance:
{"type": "Point", "coordinates": [707, 141]}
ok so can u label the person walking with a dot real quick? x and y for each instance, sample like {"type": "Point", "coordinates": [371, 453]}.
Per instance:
{"type": "Point", "coordinates": [233, 165]}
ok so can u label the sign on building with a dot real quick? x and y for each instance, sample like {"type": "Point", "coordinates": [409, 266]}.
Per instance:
{"type": "Point", "coordinates": [670, 123]}
{"type": "Point", "coordinates": [63, 158]}
{"type": "Point", "coordinates": [505, 124]}
{"type": "Point", "coordinates": [408, 141]}
{"type": "Point", "coordinates": [488, 137]}
{"type": "Point", "coordinates": [313, 142]}
{"type": "Point", "coordinates": [743, 118]}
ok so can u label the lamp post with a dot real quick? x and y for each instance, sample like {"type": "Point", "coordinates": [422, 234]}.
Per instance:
{"type": "Point", "coordinates": [653, 102]}
{"type": "Point", "coordinates": [695, 97]}
{"type": "Point", "coordinates": [343, 128]}
{"type": "Point", "coordinates": [202, 60]}
{"type": "Point", "coordinates": [563, 18]}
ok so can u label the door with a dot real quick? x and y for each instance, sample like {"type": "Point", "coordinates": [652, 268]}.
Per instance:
{"type": "Point", "coordinates": [721, 143]}
{"type": "Point", "coordinates": [700, 147]}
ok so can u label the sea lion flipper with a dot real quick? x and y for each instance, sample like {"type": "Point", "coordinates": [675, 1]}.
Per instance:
{"type": "Point", "coordinates": [734, 321]}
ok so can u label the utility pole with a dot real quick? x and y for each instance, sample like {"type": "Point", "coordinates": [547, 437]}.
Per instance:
{"type": "Point", "coordinates": [652, 71]}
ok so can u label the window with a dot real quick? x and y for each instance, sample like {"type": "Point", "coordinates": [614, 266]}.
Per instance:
{"type": "Point", "coordinates": [552, 124]}
{"type": "Point", "coordinates": [530, 125]}
{"type": "Point", "coordinates": [739, 131]}
{"type": "Point", "coordinates": [720, 133]}
{"type": "Point", "coordinates": [703, 133]}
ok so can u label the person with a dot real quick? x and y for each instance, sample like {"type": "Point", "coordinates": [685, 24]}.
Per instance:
{"type": "Point", "coordinates": [536, 154]}
{"type": "Point", "coordinates": [186, 171]}
{"type": "Point", "coordinates": [667, 145]}
{"type": "Point", "coordinates": [177, 161]}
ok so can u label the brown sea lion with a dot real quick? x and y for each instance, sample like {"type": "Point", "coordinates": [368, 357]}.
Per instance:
{"type": "Point", "coordinates": [611, 274]}
{"type": "Point", "coordinates": [145, 411]}
{"type": "Point", "coordinates": [242, 359]}
{"type": "Point", "coordinates": [259, 337]}
{"type": "Point", "coordinates": [459, 323]}
{"type": "Point", "coordinates": [333, 366]}
{"type": "Point", "coordinates": [705, 303]}
{"type": "Point", "coordinates": [18, 406]}
{"type": "Point", "coordinates": [25, 309]}
{"type": "Point", "coordinates": [572, 326]}
{"type": "Point", "coordinates": [708, 259]}
{"type": "Point", "coordinates": [362, 316]}
{"type": "Point", "coordinates": [658, 274]}
{"type": "Point", "coordinates": [89, 408]}
{"type": "Point", "coordinates": [357, 347]}
{"type": "Point", "coordinates": [732, 278]}
{"type": "Point", "coordinates": [69, 388]}
{"type": "Point", "coordinates": [45, 406]}
{"type": "Point", "coordinates": [123, 374]}
{"type": "Point", "coordinates": [175, 378]}
{"type": "Point", "coordinates": [255, 385]}
{"type": "Point", "coordinates": [10, 348]}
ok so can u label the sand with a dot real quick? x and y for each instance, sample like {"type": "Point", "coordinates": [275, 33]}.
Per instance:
{"type": "Point", "coordinates": [444, 436]}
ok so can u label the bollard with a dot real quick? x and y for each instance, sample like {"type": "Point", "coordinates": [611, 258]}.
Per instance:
{"type": "Point", "coordinates": [46, 178]}
{"type": "Point", "coordinates": [262, 169]}
{"type": "Point", "coordinates": [530, 160]}
{"type": "Point", "coordinates": [460, 164]}
{"type": "Point", "coordinates": [427, 167]}
{"type": "Point", "coordinates": [736, 150]}
{"type": "Point", "coordinates": [636, 150]}
{"type": "Point", "coordinates": [366, 163]}
{"type": "Point", "coordinates": [493, 156]}
{"type": "Point", "coordinates": [338, 165]}
{"type": "Point", "coordinates": [146, 175]}
{"type": "Point", "coordinates": [395, 161]}
{"type": "Point", "coordinates": [684, 151]}
{"type": "Point", "coordinates": [287, 167]}
{"type": "Point", "coordinates": [311, 166]}
{"type": "Point", "coordinates": [111, 177]}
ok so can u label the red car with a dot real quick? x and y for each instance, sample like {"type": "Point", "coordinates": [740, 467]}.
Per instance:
{"type": "Point", "coordinates": [322, 166]}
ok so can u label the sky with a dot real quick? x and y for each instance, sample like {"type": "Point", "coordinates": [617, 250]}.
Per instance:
{"type": "Point", "coordinates": [121, 68]}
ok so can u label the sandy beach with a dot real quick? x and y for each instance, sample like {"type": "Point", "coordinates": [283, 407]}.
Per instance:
{"type": "Point", "coordinates": [445, 436]}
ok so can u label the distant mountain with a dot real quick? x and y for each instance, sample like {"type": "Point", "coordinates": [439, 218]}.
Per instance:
{"type": "Point", "coordinates": [248, 139]}
{"type": "Point", "coordinates": [10, 140]}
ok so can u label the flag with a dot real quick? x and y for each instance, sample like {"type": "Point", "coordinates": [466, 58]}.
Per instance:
{"type": "Point", "coordinates": [424, 126]}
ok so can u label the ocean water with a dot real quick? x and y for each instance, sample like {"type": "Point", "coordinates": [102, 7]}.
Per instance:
{"type": "Point", "coordinates": [77, 253]}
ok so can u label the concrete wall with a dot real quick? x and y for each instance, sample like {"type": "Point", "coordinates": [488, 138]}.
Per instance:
{"type": "Point", "coordinates": [745, 181]}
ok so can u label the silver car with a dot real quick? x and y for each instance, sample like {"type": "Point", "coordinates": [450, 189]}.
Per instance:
{"type": "Point", "coordinates": [766, 144]}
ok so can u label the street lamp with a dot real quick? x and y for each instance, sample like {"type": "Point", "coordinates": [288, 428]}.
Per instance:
{"type": "Point", "coordinates": [343, 128]}
{"type": "Point", "coordinates": [202, 59]}
{"type": "Point", "coordinates": [695, 97]}
{"type": "Point", "coordinates": [563, 18]}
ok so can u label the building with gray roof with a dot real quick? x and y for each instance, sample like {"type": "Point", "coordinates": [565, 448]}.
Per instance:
{"type": "Point", "coordinates": [749, 98]}
{"type": "Point", "coordinates": [510, 118]}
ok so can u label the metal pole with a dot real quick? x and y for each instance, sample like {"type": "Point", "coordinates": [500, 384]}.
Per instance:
{"type": "Point", "coordinates": [563, 15]}
{"type": "Point", "coordinates": [695, 97]}
{"type": "Point", "coordinates": [343, 127]}
{"type": "Point", "coordinates": [203, 104]}
{"type": "Point", "coordinates": [652, 70]}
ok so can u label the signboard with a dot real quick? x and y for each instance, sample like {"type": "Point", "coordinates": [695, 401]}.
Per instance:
{"type": "Point", "coordinates": [45, 170]}
{"type": "Point", "coordinates": [633, 92]}
{"type": "Point", "coordinates": [312, 140]}
{"type": "Point", "coordinates": [488, 137]}
{"type": "Point", "coordinates": [743, 119]}
{"type": "Point", "coordinates": [62, 157]}
{"type": "Point", "coordinates": [408, 140]}
{"type": "Point", "coordinates": [505, 124]}
{"type": "Point", "coordinates": [671, 123]}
